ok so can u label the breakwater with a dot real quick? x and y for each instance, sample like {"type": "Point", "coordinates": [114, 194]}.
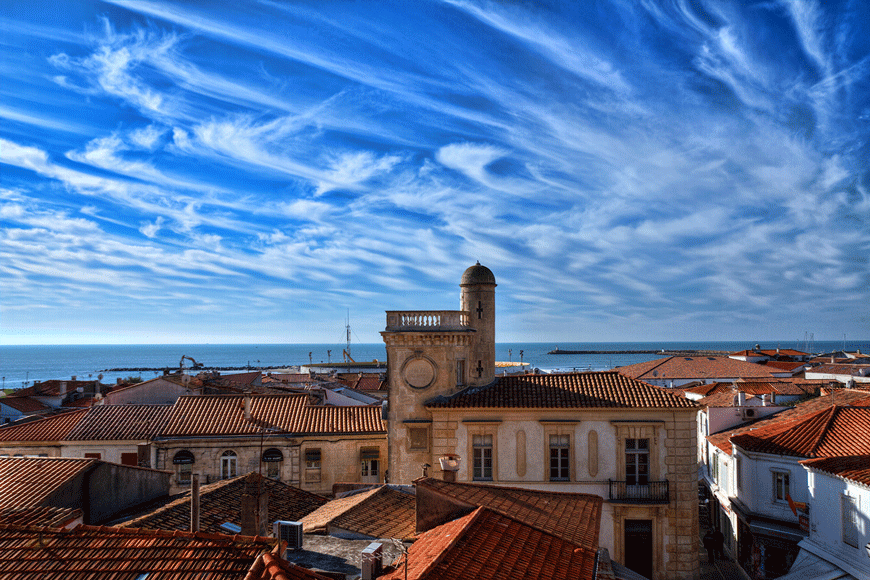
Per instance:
{"type": "Point", "coordinates": [663, 352]}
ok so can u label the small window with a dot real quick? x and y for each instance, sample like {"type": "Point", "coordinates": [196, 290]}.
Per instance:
{"type": "Point", "coordinates": [229, 465]}
{"type": "Point", "coordinates": [419, 438]}
{"type": "Point", "coordinates": [273, 458]}
{"type": "Point", "coordinates": [93, 456]}
{"type": "Point", "coordinates": [312, 465]}
{"type": "Point", "coordinates": [370, 458]}
{"type": "Point", "coordinates": [738, 472]}
{"type": "Point", "coordinates": [460, 372]}
{"type": "Point", "coordinates": [849, 510]}
{"type": "Point", "coordinates": [312, 458]}
{"type": "Point", "coordinates": [780, 486]}
{"type": "Point", "coordinates": [560, 457]}
{"type": "Point", "coordinates": [482, 450]}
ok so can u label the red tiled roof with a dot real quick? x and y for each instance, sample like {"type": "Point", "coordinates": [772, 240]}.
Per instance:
{"type": "Point", "coordinates": [570, 391]}
{"type": "Point", "coordinates": [488, 545]}
{"type": "Point", "coordinates": [84, 402]}
{"type": "Point", "coordinates": [710, 389]}
{"type": "Point", "coordinates": [723, 399]}
{"type": "Point", "coordinates": [785, 365]}
{"type": "Point", "coordinates": [854, 467]}
{"type": "Point", "coordinates": [52, 388]}
{"type": "Point", "coordinates": [369, 383]}
{"type": "Point", "coordinates": [382, 512]}
{"type": "Point", "coordinates": [783, 352]}
{"type": "Point", "coordinates": [29, 481]}
{"type": "Point", "coordinates": [840, 369]}
{"type": "Point", "coordinates": [89, 552]}
{"type": "Point", "coordinates": [830, 432]}
{"type": "Point", "coordinates": [24, 404]}
{"type": "Point", "coordinates": [851, 397]}
{"type": "Point", "coordinates": [52, 517]}
{"type": "Point", "coordinates": [121, 422]}
{"type": "Point", "coordinates": [694, 367]}
{"type": "Point", "coordinates": [224, 415]}
{"type": "Point", "coordinates": [747, 353]}
{"type": "Point", "coordinates": [241, 379]}
{"type": "Point", "coordinates": [220, 502]}
{"type": "Point", "coordinates": [574, 517]}
{"type": "Point", "coordinates": [781, 387]}
{"type": "Point", "coordinates": [54, 428]}
{"type": "Point", "coordinates": [270, 567]}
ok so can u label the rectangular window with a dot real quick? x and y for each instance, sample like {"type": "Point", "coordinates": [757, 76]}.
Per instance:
{"type": "Point", "coordinates": [273, 469]}
{"type": "Point", "coordinates": [780, 486]}
{"type": "Point", "coordinates": [714, 464]}
{"type": "Point", "coordinates": [129, 459]}
{"type": "Point", "coordinates": [738, 472]}
{"type": "Point", "coordinates": [560, 457]}
{"type": "Point", "coordinates": [849, 511]}
{"type": "Point", "coordinates": [419, 438]}
{"type": "Point", "coordinates": [460, 372]}
{"type": "Point", "coordinates": [92, 456]}
{"type": "Point", "coordinates": [312, 458]}
{"type": "Point", "coordinates": [637, 461]}
{"type": "Point", "coordinates": [312, 465]}
{"type": "Point", "coordinates": [369, 463]}
{"type": "Point", "coordinates": [482, 450]}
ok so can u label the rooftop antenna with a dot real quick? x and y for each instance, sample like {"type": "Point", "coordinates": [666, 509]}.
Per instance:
{"type": "Point", "coordinates": [347, 328]}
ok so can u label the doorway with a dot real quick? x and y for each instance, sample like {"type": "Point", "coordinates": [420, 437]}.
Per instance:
{"type": "Point", "coordinates": [639, 547]}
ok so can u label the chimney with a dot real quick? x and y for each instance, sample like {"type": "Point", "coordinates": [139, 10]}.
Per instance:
{"type": "Point", "coordinates": [119, 380]}
{"type": "Point", "coordinates": [371, 561]}
{"type": "Point", "coordinates": [449, 466]}
{"type": "Point", "coordinates": [741, 399]}
{"type": "Point", "coordinates": [247, 405]}
{"type": "Point", "coordinates": [62, 388]}
{"type": "Point", "coordinates": [254, 508]}
{"type": "Point", "coordinates": [194, 502]}
{"type": "Point", "coordinates": [73, 377]}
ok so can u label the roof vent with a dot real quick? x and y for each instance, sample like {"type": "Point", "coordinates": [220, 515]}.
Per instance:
{"type": "Point", "coordinates": [290, 532]}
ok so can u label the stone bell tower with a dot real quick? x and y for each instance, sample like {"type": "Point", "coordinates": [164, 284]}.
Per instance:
{"type": "Point", "coordinates": [434, 353]}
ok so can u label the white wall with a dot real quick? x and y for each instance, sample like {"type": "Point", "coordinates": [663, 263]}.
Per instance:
{"type": "Point", "coordinates": [826, 537]}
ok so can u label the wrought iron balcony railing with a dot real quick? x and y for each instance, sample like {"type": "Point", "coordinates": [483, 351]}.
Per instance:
{"type": "Point", "coordinates": [650, 492]}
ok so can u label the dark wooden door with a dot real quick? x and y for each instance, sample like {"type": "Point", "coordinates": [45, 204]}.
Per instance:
{"type": "Point", "coordinates": [639, 547]}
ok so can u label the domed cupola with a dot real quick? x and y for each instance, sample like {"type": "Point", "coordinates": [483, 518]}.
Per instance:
{"type": "Point", "coordinates": [477, 274]}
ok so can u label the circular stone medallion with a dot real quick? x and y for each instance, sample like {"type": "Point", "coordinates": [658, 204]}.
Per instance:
{"type": "Point", "coordinates": [419, 373]}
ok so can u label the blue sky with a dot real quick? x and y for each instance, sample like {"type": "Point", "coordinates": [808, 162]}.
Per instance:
{"type": "Point", "coordinates": [258, 171]}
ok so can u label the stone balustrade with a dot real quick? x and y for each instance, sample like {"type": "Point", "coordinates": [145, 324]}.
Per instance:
{"type": "Point", "coordinates": [427, 320]}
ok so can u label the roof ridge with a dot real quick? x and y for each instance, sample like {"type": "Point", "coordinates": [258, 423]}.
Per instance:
{"type": "Point", "coordinates": [463, 528]}
{"type": "Point", "coordinates": [816, 442]}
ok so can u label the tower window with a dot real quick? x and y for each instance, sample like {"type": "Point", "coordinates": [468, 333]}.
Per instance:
{"type": "Point", "coordinates": [479, 310]}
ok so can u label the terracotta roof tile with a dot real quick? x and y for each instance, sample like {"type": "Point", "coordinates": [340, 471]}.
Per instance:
{"type": "Point", "coordinates": [54, 428]}
{"type": "Point", "coordinates": [52, 517]}
{"type": "Point", "coordinates": [569, 390]}
{"type": "Point", "coordinates": [53, 387]}
{"type": "Point", "coordinates": [224, 415]}
{"type": "Point", "coordinates": [29, 481]}
{"type": "Point", "coordinates": [853, 397]}
{"type": "Point", "coordinates": [270, 567]}
{"type": "Point", "coordinates": [488, 545]}
{"type": "Point", "coordinates": [826, 433]}
{"type": "Point", "coordinates": [853, 467]}
{"type": "Point", "coordinates": [120, 422]}
{"type": "Point", "coordinates": [783, 365]}
{"type": "Point", "coordinates": [369, 382]}
{"type": "Point", "coordinates": [382, 512]}
{"type": "Point", "coordinates": [574, 517]}
{"type": "Point", "coordinates": [708, 389]}
{"type": "Point", "coordinates": [220, 502]}
{"type": "Point", "coordinates": [694, 367]}
{"type": "Point", "coordinates": [88, 552]}
{"type": "Point", "coordinates": [24, 404]}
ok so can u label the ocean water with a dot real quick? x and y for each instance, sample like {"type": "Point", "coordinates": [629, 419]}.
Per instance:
{"type": "Point", "coordinates": [22, 365]}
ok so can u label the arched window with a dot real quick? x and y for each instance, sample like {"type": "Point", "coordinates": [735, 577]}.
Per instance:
{"type": "Point", "coordinates": [273, 458]}
{"type": "Point", "coordinates": [183, 461]}
{"type": "Point", "coordinates": [229, 463]}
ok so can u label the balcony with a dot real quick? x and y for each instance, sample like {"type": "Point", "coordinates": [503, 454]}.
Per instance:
{"type": "Point", "coordinates": [426, 320]}
{"type": "Point", "coordinates": [653, 492]}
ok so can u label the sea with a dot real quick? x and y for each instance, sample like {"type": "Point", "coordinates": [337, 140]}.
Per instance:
{"type": "Point", "coordinates": [21, 366]}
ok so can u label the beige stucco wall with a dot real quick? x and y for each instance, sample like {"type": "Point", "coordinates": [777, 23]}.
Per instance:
{"type": "Point", "coordinates": [340, 458]}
